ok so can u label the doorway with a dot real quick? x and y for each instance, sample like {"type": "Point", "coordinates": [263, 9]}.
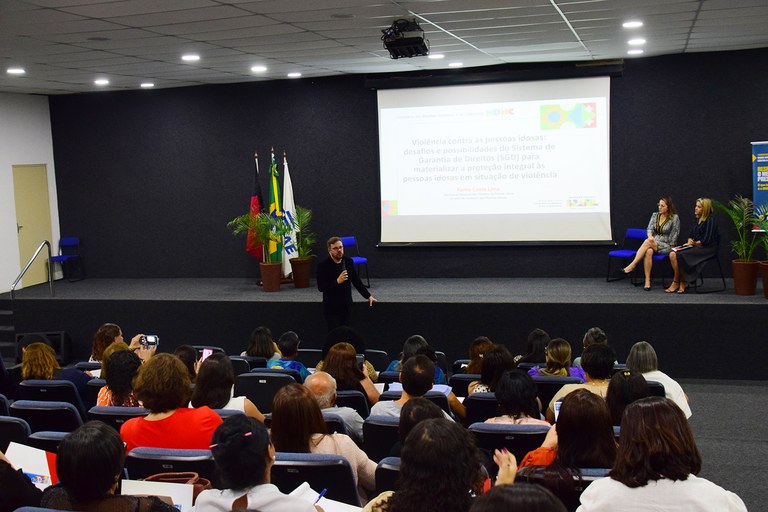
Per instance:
{"type": "Point", "coordinates": [33, 218]}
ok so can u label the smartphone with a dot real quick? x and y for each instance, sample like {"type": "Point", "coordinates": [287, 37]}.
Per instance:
{"type": "Point", "coordinates": [205, 353]}
{"type": "Point", "coordinates": [149, 340]}
{"type": "Point", "coordinates": [360, 361]}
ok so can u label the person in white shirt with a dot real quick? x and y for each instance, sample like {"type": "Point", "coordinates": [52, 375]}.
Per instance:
{"type": "Point", "coordinates": [642, 358]}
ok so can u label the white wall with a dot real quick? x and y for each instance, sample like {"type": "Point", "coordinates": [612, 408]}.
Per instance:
{"type": "Point", "coordinates": [25, 138]}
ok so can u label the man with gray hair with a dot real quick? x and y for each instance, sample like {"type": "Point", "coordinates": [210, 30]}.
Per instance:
{"type": "Point", "coordinates": [323, 386]}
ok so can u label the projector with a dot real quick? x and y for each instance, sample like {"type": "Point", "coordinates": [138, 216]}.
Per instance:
{"type": "Point", "coordinates": [405, 39]}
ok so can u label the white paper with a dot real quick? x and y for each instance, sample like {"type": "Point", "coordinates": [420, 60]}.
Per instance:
{"type": "Point", "coordinates": [306, 493]}
{"type": "Point", "coordinates": [181, 494]}
{"type": "Point", "coordinates": [32, 461]}
{"type": "Point", "coordinates": [442, 388]}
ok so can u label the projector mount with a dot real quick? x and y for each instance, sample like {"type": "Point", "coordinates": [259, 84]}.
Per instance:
{"type": "Point", "coordinates": [405, 39]}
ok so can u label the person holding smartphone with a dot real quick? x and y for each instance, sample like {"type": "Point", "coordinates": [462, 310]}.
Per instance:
{"type": "Point", "coordinates": [144, 345]}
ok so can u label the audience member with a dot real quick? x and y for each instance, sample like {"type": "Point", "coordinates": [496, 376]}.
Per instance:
{"type": "Point", "coordinates": [582, 438]}
{"type": "Point", "coordinates": [188, 356]}
{"type": "Point", "coordinates": [416, 378]}
{"type": "Point", "coordinates": [261, 344]}
{"type": "Point", "coordinates": [89, 463]}
{"type": "Point", "coordinates": [18, 489]}
{"type": "Point", "coordinates": [298, 426]}
{"type": "Point", "coordinates": [516, 394]}
{"type": "Point", "coordinates": [104, 336]}
{"type": "Point", "coordinates": [597, 363]}
{"type": "Point", "coordinates": [121, 368]}
{"type": "Point", "coordinates": [558, 354]}
{"type": "Point", "coordinates": [144, 351]}
{"type": "Point", "coordinates": [476, 349]}
{"type": "Point", "coordinates": [642, 358]}
{"type": "Point", "coordinates": [592, 336]}
{"type": "Point", "coordinates": [244, 457]}
{"type": "Point", "coordinates": [346, 334]}
{"type": "Point", "coordinates": [625, 387]}
{"type": "Point", "coordinates": [656, 467]}
{"type": "Point", "coordinates": [416, 344]}
{"type": "Point", "coordinates": [496, 361]}
{"type": "Point", "coordinates": [414, 412]}
{"type": "Point", "coordinates": [288, 345]}
{"type": "Point", "coordinates": [323, 387]}
{"type": "Point", "coordinates": [538, 339]}
{"type": "Point", "coordinates": [39, 362]}
{"type": "Point", "coordinates": [518, 497]}
{"type": "Point", "coordinates": [432, 355]}
{"type": "Point", "coordinates": [215, 388]}
{"type": "Point", "coordinates": [117, 346]}
{"type": "Point", "coordinates": [341, 364]}
{"type": "Point", "coordinates": [163, 387]}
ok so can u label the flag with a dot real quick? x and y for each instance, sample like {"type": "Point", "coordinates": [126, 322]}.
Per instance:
{"type": "Point", "coordinates": [253, 245]}
{"type": "Point", "coordinates": [290, 250]}
{"type": "Point", "coordinates": [275, 248]}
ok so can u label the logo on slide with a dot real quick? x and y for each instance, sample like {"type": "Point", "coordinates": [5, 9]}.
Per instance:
{"type": "Point", "coordinates": [388, 208]}
{"type": "Point", "coordinates": [582, 115]}
{"type": "Point", "coordinates": [580, 202]}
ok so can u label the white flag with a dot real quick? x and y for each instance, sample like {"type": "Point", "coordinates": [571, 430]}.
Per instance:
{"type": "Point", "coordinates": [290, 249]}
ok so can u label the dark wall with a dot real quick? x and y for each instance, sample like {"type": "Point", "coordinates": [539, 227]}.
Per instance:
{"type": "Point", "coordinates": [149, 179]}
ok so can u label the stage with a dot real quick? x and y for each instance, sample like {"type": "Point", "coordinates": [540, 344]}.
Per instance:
{"type": "Point", "coordinates": [695, 335]}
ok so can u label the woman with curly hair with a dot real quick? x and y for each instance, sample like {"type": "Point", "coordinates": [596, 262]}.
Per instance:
{"type": "Point", "coordinates": [104, 336]}
{"type": "Point", "coordinates": [341, 364]}
{"type": "Point", "coordinates": [163, 387]}
{"type": "Point", "coordinates": [122, 367]}
{"type": "Point", "coordinates": [39, 362]}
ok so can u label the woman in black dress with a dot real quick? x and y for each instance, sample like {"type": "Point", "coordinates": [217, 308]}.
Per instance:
{"type": "Point", "coordinates": [703, 242]}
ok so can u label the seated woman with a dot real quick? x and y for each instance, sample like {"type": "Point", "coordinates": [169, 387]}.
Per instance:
{"type": "Point", "coordinates": [496, 361]}
{"type": "Point", "coordinates": [346, 335]}
{"type": "Point", "coordinates": [244, 457]}
{"type": "Point", "coordinates": [288, 344]}
{"type": "Point", "coordinates": [117, 346]}
{"type": "Point", "coordinates": [582, 438]}
{"type": "Point", "coordinates": [89, 463]}
{"type": "Point", "coordinates": [625, 387]}
{"type": "Point", "coordinates": [538, 339]}
{"type": "Point", "coordinates": [39, 362]}
{"type": "Point", "coordinates": [558, 356]}
{"type": "Point", "coordinates": [104, 336]}
{"type": "Point", "coordinates": [516, 393]}
{"type": "Point", "coordinates": [656, 467]}
{"type": "Point", "coordinates": [298, 426]}
{"type": "Point", "coordinates": [121, 369]}
{"type": "Point", "coordinates": [476, 349]}
{"type": "Point", "coordinates": [216, 385]}
{"type": "Point", "coordinates": [521, 496]}
{"type": "Point", "coordinates": [642, 359]}
{"type": "Point", "coordinates": [663, 230]}
{"type": "Point", "coordinates": [412, 346]}
{"type": "Point", "coordinates": [261, 344]}
{"type": "Point", "coordinates": [163, 387]}
{"type": "Point", "coordinates": [703, 242]}
{"type": "Point", "coordinates": [188, 356]}
{"type": "Point", "coordinates": [341, 364]}
{"type": "Point", "coordinates": [592, 336]}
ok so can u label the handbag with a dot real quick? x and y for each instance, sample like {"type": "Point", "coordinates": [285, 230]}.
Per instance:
{"type": "Point", "coordinates": [198, 483]}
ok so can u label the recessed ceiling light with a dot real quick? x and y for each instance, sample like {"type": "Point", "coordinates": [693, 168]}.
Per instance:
{"type": "Point", "coordinates": [147, 85]}
{"type": "Point", "coordinates": [294, 75]}
{"type": "Point", "coordinates": [436, 56]}
{"type": "Point", "coordinates": [15, 71]}
{"type": "Point", "coordinates": [636, 42]}
{"type": "Point", "coordinates": [635, 52]}
{"type": "Point", "coordinates": [632, 24]}
{"type": "Point", "coordinates": [455, 64]}
{"type": "Point", "coordinates": [259, 69]}
{"type": "Point", "coordinates": [190, 57]}
{"type": "Point", "coordinates": [101, 81]}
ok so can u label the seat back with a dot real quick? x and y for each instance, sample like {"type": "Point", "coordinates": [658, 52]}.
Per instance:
{"type": "Point", "coordinates": [142, 462]}
{"type": "Point", "coordinates": [239, 366]}
{"type": "Point", "coordinates": [354, 399]}
{"type": "Point", "coordinates": [52, 391]}
{"type": "Point", "coordinates": [380, 433]}
{"type": "Point", "coordinates": [480, 407]}
{"type": "Point", "coordinates": [226, 413]}
{"type": "Point", "coordinates": [294, 374]}
{"type": "Point", "coordinates": [115, 416]}
{"type": "Point", "coordinates": [378, 358]}
{"type": "Point", "coordinates": [14, 430]}
{"type": "Point", "coordinates": [87, 366]}
{"type": "Point", "coordinates": [260, 387]}
{"type": "Point", "coordinates": [69, 245]}
{"type": "Point", "coordinates": [547, 387]}
{"type": "Point", "coordinates": [518, 439]}
{"type": "Point", "coordinates": [334, 423]}
{"type": "Point", "coordinates": [53, 416]}
{"type": "Point", "coordinates": [92, 388]}
{"type": "Point", "coordinates": [387, 473]}
{"type": "Point", "coordinates": [349, 242]}
{"type": "Point", "coordinates": [321, 471]}
{"type": "Point", "coordinates": [459, 365]}
{"type": "Point", "coordinates": [309, 357]}
{"type": "Point", "coordinates": [387, 377]}
{"type": "Point", "coordinates": [4, 404]}
{"type": "Point", "coordinates": [459, 382]}
{"type": "Point", "coordinates": [442, 362]}
{"type": "Point", "coordinates": [253, 362]}
{"type": "Point", "coordinates": [656, 388]}
{"type": "Point", "coordinates": [200, 349]}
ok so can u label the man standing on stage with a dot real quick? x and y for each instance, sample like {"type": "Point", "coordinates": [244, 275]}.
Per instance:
{"type": "Point", "coordinates": [333, 279]}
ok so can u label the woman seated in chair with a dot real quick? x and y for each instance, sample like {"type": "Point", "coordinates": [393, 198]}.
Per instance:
{"type": "Point", "coordinates": [39, 362]}
{"type": "Point", "coordinates": [416, 344]}
{"type": "Point", "coordinates": [215, 388]}
{"type": "Point", "coordinates": [656, 467]}
{"type": "Point", "coordinates": [341, 364]}
{"type": "Point", "coordinates": [345, 334]}
{"type": "Point", "coordinates": [516, 394]}
{"type": "Point", "coordinates": [663, 230]}
{"type": "Point", "coordinates": [496, 361]}
{"type": "Point", "coordinates": [558, 354]}
{"type": "Point", "coordinates": [89, 463]}
{"type": "Point", "coordinates": [626, 386]}
{"type": "Point", "coordinates": [642, 358]}
{"type": "Point", "coordinates": [121, 369]}
{"type": "Point", "coordinates": [104, 336]}
{"type": "Point", "coordinates": [298, 426]}
{"type": "Point", "coordinates": [703, 243]}
{"type": "Point", "coordinates": [244, 457]}
{"type": "Point", "coordinates": [535, 345]}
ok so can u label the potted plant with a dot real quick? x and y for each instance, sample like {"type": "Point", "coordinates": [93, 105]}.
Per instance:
{"type": "Point", "coordinates": [301, 266]}
{"type": "Point", "coordinates": [268, 228]}
{"type": "Point", "coordinates": [761, 219]}
{"type": "Point", "coordinates": [741, 211]}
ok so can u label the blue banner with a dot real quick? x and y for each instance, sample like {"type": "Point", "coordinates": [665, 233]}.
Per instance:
{"type": "Point", "coordinates": [760, 173]}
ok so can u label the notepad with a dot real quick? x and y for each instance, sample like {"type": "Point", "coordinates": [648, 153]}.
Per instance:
{"type": "Point", "coordinates": [306, 493]}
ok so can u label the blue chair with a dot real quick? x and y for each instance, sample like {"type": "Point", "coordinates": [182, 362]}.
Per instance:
{"type": "Point", "coordinates": [260, 387]}
{"type": "Point", "coordinates": [69, 255]}
{"type": "Point", "coordinates": [142, 462]}
{"type": "Point", "coordinates": [4, 405]}
{"type": "Point", "coordinates": [309, 357]}
{"type": "Point", "coordinates": [380, 433]}
{"type": "Point", "coordinates": [321, 471]}
{"type": "Point", "coordinates": [87, 366]}
{"type": "Point", "coordinates": [378, 358]}
{"type": "Point", "coordinates": [253, 362]}
{"type": "Point", "coordinates": [656, 388]}
{"type": "Point", "coordinates": [387, 473]}
{"type": "Point", "coordinates": [585, 476]}
{"type": "Point", "coordinates": [480, 407]}
{"type": "Point", "coordinates": [459, 382]}
{"type": "Point", "coordinates": [47, 416]}
{"type": "Point", "coordinates": [458, 366]}
{"type": "Point", "coordinates": [387, 377]}
{"type": "Point", "coordinates": [38, 509]}
{"type": "Point", "coordinates": [547, 387]}
{"type": "Point", "coordinates": [354, 399]}
{"type": "Point", "coordinates": [13, 429]}
{"type": "Point", "coordinates": [349, 242]}
{"type": "Point", "coordinates": [436, 397]}
{"type": "Point", "coordinates": [633, 238]}
{"type": "Point", "coordinates": [226, 413]}
{"type": "Point", "coordinates": [239, 365]}
{"type": "Point", "coordinates": [518, 439]}
{"type": "Point", "coordinates": [334, 423]}
{"type": "Point", "coordinates": [47, 440]}
{"type": "Point", "coordinates": [52, 390]}
{"type": "Point", "coordinates": [294, 374]}
{"type": "Point", "coordinates": [114, 416]}
{"type": "Point", "coordinates": [92, 389]}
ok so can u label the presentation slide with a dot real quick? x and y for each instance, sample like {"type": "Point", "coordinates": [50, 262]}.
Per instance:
{"type": "Point", "coordinates": [511, 162]}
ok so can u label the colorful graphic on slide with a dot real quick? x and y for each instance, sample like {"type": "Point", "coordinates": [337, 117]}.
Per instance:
{"type": "Point", "coordinates": [581, 202]}
{"type": "Point", "coordinates": [583, 115]}
{"type": "Point", "coordinates": [389, 208]}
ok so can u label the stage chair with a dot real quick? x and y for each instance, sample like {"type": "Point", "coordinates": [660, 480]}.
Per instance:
{"type": "Point", "coordinates": [547, 387]}
{"type": "Point", "coordinates": [115, 416]}
{"type": "Point", "coordinates": [349, 242]}
{"type": "Point", "coordinates": [380, 433]}
{"type": "Point", "coordinates": [699, 284]}
{"type": "Point", "coordinates": [260, 387]}
{"type": "Point", "coordinates": [52, 391]}
{"type": "Point", "coordinates": [354, 399]}
{"type": "Point", "coordinates": [656, 388]}
{"type": "Point", "coordinates": [459, 382]}
{"type": "Point", "coordinates": [387, 473]}
{"type": "Point", "coordinates": [253, 362]}
{"type": "Point", "coordinates": [13, 429]}
{"type": "Point", "coordinates": [309, 357]}
{"type": "Point", "coordinates": [632, 238]}
{"type": "Point", "coordinates": [47, 416]}
{"type": "Point", "coordinates": [142, 462]}
{"type": "Point", "coordinates": [320, 471]}
{"type": "Point", "coordinates": [480, 407]}
{"type": "Point", "coordinates": [433, 396]}
{"type": "Point", "coordinates": [69, 254]}
{"type": "Point", "coordinates": [518, 439]}
{"type": "Point", "coordinates": [378, 358]}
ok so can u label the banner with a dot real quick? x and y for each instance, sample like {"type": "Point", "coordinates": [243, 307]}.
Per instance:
{"type": "Point", "coordinates": [275, 248]}
{"type": "Point", "coordinates": [760, 173]}
{"type": "Point", "coordinates": [289, 210]}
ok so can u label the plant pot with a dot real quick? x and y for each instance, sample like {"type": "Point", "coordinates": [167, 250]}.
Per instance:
{"type": "Point", "coordinates": [302, 271]}
{"type": "Point", "coordinates": [270, 276]}
{"type": "Point", "coordinates": [744, 276]}
{"type": "Point", "coordinates": [764, 270]}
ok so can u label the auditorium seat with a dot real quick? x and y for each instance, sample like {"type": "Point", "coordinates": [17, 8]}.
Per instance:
{"type": "Point", "coordinates": [378, 358]}
{"type": "Point", "coordinates": [354, 399]}
{"type": "Point", "coordinates": [459, 382]}
{"type": "Point", "coordinates": [380, 433]}
{"type": "Point", "coordinates": [142, 462]}
{"type": "Point", "coordinates": [518, 439]}
{"type": "Point", "coordinates": [547, 387]}
{"type": "Point", "coordinates": [13, 429]}
{"type": "Point", "coordinates": [436, 397]}
{"type": "Point", "coordinates": [309, 357]}
{"type": "Point", "coordinates": [480, 407]}
{"type": "Point", "coordinates": [633, 237]}
{"type": "Point", "coordinates": [320, 471]}
{"type": "Point", "coordinates": [387, 473]}
{"type": "Point", "coordinates": [115, 416]}
{"type": "Point", "coordinates": [260, 387]}
{"type": "Point", "coordinates": [52, 390]}
{"type": "Point", "coordinates": [47, 416]}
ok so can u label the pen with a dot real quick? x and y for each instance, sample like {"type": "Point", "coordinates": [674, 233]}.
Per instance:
{"type": "Point", "coordinates": [322, 493]}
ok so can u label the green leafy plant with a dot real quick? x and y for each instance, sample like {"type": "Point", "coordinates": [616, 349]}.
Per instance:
{"type": "Point", "coordinates": [305, 239]}
{"type": "Point", "coordinates": [741, 210]}
{"type": "Point", "coordinates": [761, 219]}
{"type": "Point", "coordinates": [265, 226]}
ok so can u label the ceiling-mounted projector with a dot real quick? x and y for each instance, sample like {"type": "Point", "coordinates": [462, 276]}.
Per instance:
{"type": "Point", "coordinates": [405, 39]}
